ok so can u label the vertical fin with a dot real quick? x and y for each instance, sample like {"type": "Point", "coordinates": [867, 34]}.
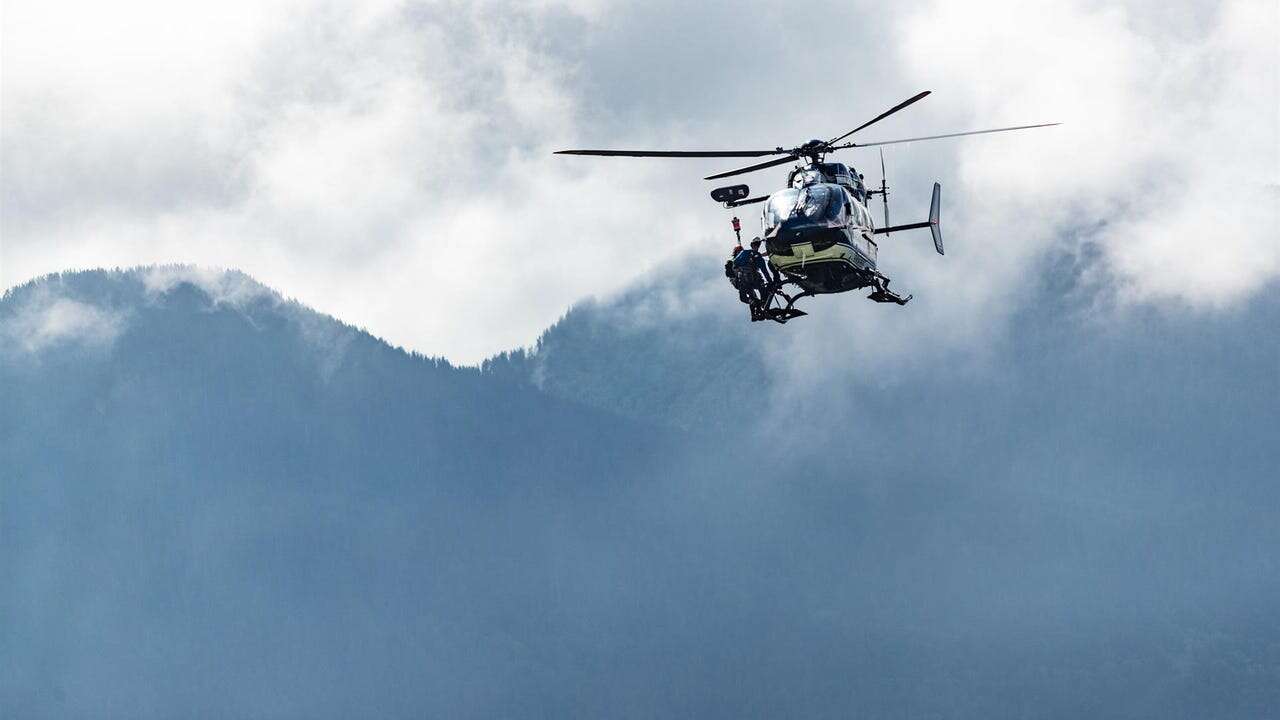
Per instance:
{"type": "Point", "coordinates": [934, 209]}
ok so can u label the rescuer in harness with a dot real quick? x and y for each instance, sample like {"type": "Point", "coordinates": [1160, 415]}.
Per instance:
{"type": "Point", "coordinates": [748, 271]}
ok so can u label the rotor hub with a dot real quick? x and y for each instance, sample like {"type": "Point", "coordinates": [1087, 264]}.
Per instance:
{"type": "Point", "coordinates": [814, 150]}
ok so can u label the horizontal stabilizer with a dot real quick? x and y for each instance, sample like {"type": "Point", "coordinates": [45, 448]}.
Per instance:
{"type": "Point", "coordinates": [935, 206]}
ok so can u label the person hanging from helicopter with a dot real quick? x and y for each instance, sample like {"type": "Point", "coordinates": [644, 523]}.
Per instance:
{"type": "Point", "coordinates": [728, 265]}
{"type": "Point", "coordinates": [740, 280]}
{"type": "Point", "coordinates": [762, 265]}
{"type": "Point", "coordinates": [731, 269]}
{"type": "Point", "coordinates": [752, 279]}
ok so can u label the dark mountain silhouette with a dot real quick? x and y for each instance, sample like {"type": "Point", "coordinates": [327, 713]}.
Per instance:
{"type": "Point", "coordinates": [640, 356]}
{"type": "Point", "coordinates": [215, 501]}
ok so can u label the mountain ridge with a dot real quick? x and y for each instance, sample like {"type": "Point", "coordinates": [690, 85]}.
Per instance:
{"type": "Point", "coordinates": [211, 497]}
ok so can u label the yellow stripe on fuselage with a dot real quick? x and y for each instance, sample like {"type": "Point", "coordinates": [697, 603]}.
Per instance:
{"type": "Point", "coordinates": [804, 254]}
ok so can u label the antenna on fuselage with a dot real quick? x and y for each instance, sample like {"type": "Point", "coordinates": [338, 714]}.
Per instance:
{"type": "Point", "coordinates": [884, 190]}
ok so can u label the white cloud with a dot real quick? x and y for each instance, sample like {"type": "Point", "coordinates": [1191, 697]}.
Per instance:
{"type": "Point", "coordinates": [1169, 144]}
{"type": "Point", "coordinates": [47, 319]}
{"type": "Point", "coordinates": [390, 164]}
{"type": "Point", "coordinates": [1166, 163]}
{"type": "Point", "coordinates": [392, 169]}
{"type": "Point", "coordinates": [231, 289]}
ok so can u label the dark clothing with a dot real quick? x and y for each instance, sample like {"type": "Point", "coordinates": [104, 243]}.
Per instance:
{"type": "Point", "coordinates": [747, 277]}
{"type": "Point", "coordinates": [750, 275]}
{"type": "Point", "coordinates": [765, 269]}
{"type": "Point", "coordinates": [750, 259]}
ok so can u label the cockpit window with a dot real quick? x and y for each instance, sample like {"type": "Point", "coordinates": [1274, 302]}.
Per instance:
{"type": "Point", "coordinates": [803, 178]}
{"type": "Point", "coordinates": [780, 206]}
{"type": "Point", "coordinates": [815, 199]}
{"type": "Point", "coordinates": [821, 204]}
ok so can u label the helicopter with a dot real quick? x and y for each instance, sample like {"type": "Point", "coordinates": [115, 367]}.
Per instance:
{"type": "Point", "coordinates": [818, 230]}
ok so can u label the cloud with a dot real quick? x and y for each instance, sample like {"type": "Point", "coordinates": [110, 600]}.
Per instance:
{"type": "Point", "coordinates": [390, 163]}
{"type": "Point", "coordinates": [223, 287]}
{"type": "Point", "coordinates": [1169, 144]}
{"type": "Point", "coordinates": [390, 167]}
{"type": "Point", "coordinates": [47, 319]}
{"type": "Point", "coordinates": [1158, 179]}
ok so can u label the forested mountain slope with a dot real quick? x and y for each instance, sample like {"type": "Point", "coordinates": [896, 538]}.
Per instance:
{"type": "Point", "coordinates": [214, 498]}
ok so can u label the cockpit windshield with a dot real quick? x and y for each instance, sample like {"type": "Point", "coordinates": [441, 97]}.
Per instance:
{"type": "Point", "coordinates": [803, 178]}
{"type": "Point", "coordinates": [780, 206]}
{"type": "Point", "coordinates": [815, 199]}
{"type": "Point", "coordinates": [817, 204]}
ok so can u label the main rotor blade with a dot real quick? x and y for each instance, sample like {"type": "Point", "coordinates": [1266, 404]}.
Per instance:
{"type": "Point", "coordinates": [880, 117]}
{"type": "Point", "coordinates": [673, 153]}
{"type": "Point", "coordinates": [752, 168]}
{"type": "Point", "coordinates": [935, 137]}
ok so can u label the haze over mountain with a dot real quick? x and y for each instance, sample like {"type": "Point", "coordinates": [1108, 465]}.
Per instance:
{"type": "Point", "coordinates": [214, 498]}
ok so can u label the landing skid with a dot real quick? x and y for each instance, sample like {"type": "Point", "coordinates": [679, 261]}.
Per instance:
{"type": "Point", "coordinates": [779, 306]}
{"type": "Point", "coordinates": [884, 296]}
{"type": "Point", "coordinates": [778, 315]}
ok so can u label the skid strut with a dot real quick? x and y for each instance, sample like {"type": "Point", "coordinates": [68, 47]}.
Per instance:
{"type": "Point", "coordinates": [883, 294]}
{"type": "Point", "coordinates": [779, 305]}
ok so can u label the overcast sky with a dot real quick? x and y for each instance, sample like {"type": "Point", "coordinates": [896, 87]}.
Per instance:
{"type": "Point", "coordinates": [390, 163]}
